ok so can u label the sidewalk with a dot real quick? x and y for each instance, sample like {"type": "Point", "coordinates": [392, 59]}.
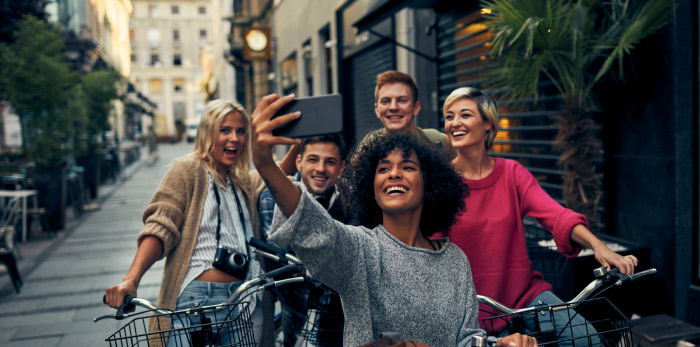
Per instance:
{"type": "Point", "coordinates": [39, 242]}
{"type": "Point", "coordinates": [65, 277]}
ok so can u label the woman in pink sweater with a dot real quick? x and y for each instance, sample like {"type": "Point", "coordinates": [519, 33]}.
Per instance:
{"type": "Point", "coordinates": [490, 232]}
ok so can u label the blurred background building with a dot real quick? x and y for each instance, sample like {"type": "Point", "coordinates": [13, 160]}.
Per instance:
{"type": "Point", "coordinates": [97, 37]}
{"type": "Point", "coordinates": [177, 58]}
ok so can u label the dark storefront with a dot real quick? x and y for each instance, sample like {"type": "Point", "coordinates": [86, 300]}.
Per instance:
{"type": "Point", "coordinates": [649, 126]}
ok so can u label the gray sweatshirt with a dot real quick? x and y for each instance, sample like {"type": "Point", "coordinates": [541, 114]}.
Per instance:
{"type": "Point", "coordinates": [385, 285]}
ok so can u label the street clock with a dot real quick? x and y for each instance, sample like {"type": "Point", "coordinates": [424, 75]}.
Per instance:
{"type": "Point", "coordinates": [257, 44]}
{"type": "Point", "coordinates": [256, 40]}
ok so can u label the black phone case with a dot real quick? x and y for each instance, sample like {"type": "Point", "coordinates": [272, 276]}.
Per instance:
{"type": "Point", "coordinates": [320, 115]}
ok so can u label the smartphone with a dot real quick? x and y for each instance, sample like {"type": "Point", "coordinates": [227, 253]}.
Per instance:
{"type": "Point", "coordinates": [320, 115]}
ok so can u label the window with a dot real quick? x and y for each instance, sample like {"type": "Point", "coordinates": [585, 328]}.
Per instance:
{"type": "Point", "coordinates": [202, 10]}
{"type": "Point", "coordinates": [289, 75]}
{"type": "Point", "coordinates": [176, 35]}
{"type": "Point", "coordinates": [177, 60]}
{"type": "Point", "coordinates": [156, 85]}
{"type": "Point", "coordinates": [327, 58]}
{"type": "Point", "coordinates": [308, 67]}
{"type": "Point", "coordinates": [178, 84]}
{"type": "Point", "coordinates": [133, 58]}
{"type": "Point", "coordinates": [132, 35]}
{"type": "Point", "coordinates": [153, 11]}
{"type": "Point", "coordinates": [203, 37]}
{"type": "Point", "coordinates": [179, 111]}
{"type": "Point", "coordinates": [153, 37]}
{"type": "Point", "coordinates": [238, 7]}
{"type": "Point", "coordinates": [155, 59]}
{"type": "Point", "coordinates": [175, 10]}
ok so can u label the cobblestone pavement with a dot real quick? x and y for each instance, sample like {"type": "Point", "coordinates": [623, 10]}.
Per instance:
{"type": "Point", "coordinates": [65, 276]}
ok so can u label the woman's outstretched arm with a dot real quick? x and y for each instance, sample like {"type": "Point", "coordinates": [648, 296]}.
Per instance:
{"type": "Point", "coordinates": [149, 251]}
{"type": "Point", "coordinates": [284, 192]}
{"type": "Point", "coordinates": [603, 254]}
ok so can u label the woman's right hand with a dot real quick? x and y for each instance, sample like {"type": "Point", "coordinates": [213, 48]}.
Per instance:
{"type": "Point", "coordinates": [284, 192]}
{"type": "Point", "coordinates": [262, 126]}
{"type": "Point", "coordinates": [114, 296]}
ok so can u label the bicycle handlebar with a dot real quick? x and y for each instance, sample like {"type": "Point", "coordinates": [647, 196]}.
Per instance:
{"type": "Point", "coordinates": [264, 281]}
{"type": "Point", "coordinates": [129, 305]}
{"type": "Point", "coordinates": [284, 271]}
{"type": "Point", "coordinates": [275, 253]}
{"type": "Point", "coordinates": [603, 277]}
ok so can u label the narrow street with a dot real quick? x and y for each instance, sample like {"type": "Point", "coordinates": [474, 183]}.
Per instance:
{"type": "Point", "coordinates": [63, 288]}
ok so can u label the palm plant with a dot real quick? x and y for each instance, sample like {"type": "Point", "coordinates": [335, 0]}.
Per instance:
{"type": "Point", "coordinates": [572, 45]}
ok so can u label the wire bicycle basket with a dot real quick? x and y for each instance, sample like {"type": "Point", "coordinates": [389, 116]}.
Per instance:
{"type": "Point", "coordinates": [199, 329]}
{"type": "Point", "coordinates": [554, 325]}
{"type": "Point", "coordinates": [312, 315]}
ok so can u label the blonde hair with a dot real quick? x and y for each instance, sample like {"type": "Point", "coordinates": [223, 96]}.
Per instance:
{"type": "Point", "coordinates": [208, 132]}
{"type": "Point", "coordinates": [485, 104]}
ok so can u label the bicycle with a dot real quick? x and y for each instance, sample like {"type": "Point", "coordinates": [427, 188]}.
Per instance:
{"type": "Point", "coordinates": [236, 327]}
{"type": "Point", "coordinates": [604, 324]}
{"type": "Point", "coordinates": [313, 309]}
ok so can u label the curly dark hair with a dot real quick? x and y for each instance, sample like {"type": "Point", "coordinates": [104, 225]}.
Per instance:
{"type": "Point", "coordinates": [444, 190]}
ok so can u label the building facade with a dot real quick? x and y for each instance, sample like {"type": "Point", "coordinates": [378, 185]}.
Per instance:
{"type": "Point", "coordinates": [96, 34]}
{"type": "Point", "coordinates": [177, 57]}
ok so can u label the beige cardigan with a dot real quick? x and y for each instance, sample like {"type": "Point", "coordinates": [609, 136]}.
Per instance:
{"type": "Point", "coordinates": [174, 215]}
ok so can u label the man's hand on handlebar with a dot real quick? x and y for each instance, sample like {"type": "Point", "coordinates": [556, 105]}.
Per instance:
{"type": "Point", "coordinates": [517, 340]}
{"type": "Point", "coordinates": [115, 294]}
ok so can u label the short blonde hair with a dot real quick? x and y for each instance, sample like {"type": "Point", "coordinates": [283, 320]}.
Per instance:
{"type": "Point", "coordinates": [484, 103]}
{"type": "Point", "coordinates": [208, 132]}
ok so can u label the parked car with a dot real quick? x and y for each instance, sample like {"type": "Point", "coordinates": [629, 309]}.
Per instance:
{"type": "Point", "coordinates": [191, 131]}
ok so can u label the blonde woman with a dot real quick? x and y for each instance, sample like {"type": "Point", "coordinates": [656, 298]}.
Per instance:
{"type": "Point", "coordinates": [490, 232]}
{"type": "Point", "coordinates": [182, 222]}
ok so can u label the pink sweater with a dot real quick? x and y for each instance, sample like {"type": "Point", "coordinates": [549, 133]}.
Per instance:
{"type": "Point", "coordinates": [491, 233]}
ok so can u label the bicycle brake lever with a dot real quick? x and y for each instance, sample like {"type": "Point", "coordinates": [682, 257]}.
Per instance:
{"type": "Point", "coordinates": [126, 307]}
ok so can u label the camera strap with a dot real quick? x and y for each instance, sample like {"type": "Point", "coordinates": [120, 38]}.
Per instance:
{"type": "Point", "coordinates": [241, 216]}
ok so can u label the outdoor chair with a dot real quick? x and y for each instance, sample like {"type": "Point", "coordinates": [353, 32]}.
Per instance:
{"type": "Point", "coordinates": [8, 219]}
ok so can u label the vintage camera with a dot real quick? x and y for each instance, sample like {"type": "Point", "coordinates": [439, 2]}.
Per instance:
{"type": "Point", "coordinates": [231, 262]}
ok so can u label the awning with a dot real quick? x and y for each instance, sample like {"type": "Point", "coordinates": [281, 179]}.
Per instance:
{"type": "Point", "coordinates": [382, 9]}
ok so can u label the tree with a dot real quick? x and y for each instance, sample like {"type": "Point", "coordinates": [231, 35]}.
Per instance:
{"type": "Point", "coordinates": [572, 45]}
{"type": "Point", "coordinates": [13, 11]}
{"type": "Point", "coordinates": [42, 89]}
{"type": "Point", "coordinates": [100, 89]}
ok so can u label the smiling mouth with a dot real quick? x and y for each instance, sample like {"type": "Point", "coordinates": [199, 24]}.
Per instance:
{"type": "Point", "coordinates": [231, 150]}
{"type": "Point", "coordinates": [321, 179]}
{"type": "Point", "coordinates": [459, 133]}
{"type": "Point", "coordinates": [395, 190]}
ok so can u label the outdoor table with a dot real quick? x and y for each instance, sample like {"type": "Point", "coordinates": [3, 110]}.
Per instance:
{"type": "Point", "coordinates": [23, 195]}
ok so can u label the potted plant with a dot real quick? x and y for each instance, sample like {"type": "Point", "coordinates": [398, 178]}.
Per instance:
{"type": "Point", "coordinates": [572, 45]}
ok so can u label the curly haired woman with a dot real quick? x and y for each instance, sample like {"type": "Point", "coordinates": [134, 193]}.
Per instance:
{"type": "Point", "coordinates": [390, 276]}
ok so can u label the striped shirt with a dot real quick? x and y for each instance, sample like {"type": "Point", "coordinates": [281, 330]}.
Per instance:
{"type": "Point", "coordinates": [231, 235]}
